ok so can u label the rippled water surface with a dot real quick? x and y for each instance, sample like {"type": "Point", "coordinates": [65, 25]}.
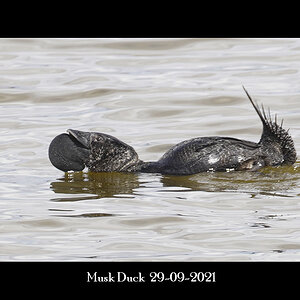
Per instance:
{"type": "Point", "coordinates": [151, 94]}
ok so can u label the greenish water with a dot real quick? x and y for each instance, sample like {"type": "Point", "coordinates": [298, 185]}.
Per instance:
{"type": "Point", "coordinates": [151, 94]}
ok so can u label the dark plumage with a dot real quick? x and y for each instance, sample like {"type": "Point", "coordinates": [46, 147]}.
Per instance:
{"type": "Point", "coordinates": [104, 153]}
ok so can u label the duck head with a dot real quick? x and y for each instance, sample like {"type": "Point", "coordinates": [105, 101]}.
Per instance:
{"type": "Point", "coordinates": [98, 151]}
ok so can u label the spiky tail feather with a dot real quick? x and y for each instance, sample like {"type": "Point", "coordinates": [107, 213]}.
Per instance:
{"type": "Point", "coordinates": [274, 132]}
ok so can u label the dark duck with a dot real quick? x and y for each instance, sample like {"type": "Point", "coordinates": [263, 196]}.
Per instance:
{"type": "Point", "coordinates": [101, 152]}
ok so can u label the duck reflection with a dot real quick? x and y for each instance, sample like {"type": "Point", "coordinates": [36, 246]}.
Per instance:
{"type": "Point", "coordinates": [101, 185]}
{"type": "Point", "coordinates": [277, 181]}
{"type": "Point", "coordinates": [270, 181]}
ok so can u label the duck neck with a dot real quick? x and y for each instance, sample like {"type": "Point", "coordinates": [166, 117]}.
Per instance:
{"type": "Point", "coordinates": [149, 167]}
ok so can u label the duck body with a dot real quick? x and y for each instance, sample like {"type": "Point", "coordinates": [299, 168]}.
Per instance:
{"type": "Point", "coordinates": [104, 153]}
{"type": "Point", "coordinates": [208, 154]}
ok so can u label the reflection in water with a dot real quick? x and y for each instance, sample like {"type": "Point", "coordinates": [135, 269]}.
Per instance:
{"type": "Point", "coordinates": [100, 185]}
{"type": "Point", "coordinates": [269, 181]}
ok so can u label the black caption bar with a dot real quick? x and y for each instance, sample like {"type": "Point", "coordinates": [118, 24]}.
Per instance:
{"type": "Point", "coordinates": [102, 275]}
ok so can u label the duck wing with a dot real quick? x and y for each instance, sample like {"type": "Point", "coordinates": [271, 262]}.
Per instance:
{"type": "Point", "coordinates": [211, 154]}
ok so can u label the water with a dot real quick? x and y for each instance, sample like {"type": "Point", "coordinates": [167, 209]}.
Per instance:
{"type": "Point", "coordinates": [151, 94]}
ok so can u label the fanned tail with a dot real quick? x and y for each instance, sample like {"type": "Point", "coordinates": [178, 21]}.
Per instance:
{"type": "Point", "coordinates": [266, 120]}
{"type": "Point", "coordinates": [273, 132]}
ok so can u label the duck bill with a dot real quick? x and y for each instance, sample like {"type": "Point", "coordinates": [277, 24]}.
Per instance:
{"type": "Point", "coordinates": [81, 136]}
